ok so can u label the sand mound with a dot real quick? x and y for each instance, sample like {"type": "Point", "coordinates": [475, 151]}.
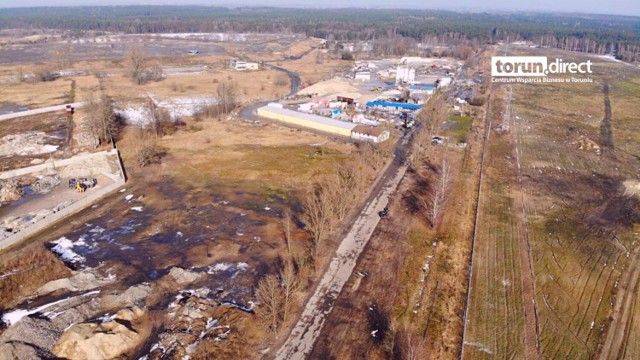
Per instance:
{"type": "Point", "coordinates": [333, 86]}
{"type": "Point", "coordinates": [90, 167]}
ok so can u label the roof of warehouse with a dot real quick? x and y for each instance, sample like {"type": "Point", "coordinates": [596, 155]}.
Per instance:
{"type": "Point", "coordinates": [393, 104]}
{"type": "Point", "coordinates": [310, 117]}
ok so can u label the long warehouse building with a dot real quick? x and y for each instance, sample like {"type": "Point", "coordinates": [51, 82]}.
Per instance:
{"type": "Point", "coordinates": [276, 112]}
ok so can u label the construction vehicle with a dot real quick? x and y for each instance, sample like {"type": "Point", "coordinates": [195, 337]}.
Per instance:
{"type": "Point", "coordinates": [82, 184]}
{"type": "Point", "coordinates": [384, 213]}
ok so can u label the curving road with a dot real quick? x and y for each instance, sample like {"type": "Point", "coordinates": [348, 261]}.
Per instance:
{"type": "Point", "coordinates": [249, 112]}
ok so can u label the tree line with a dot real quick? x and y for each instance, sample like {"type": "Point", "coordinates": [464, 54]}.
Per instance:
{"type": "Point", "coordinates": [576, 32]}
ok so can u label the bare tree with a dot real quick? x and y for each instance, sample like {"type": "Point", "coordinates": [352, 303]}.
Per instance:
{"type": "Point", "coordinates": [136, 63]}
{"type": "Point", "coordinates": [439, 193]}
{"type": "Point", "coordinates": [341, 188]}
{"type": "Point", "coordinates": [286, 225]}
{"type": "Point", "coordinates": [227, 95]}
{"type": "Point", "coordinates": [290, 287]}
{"type": "Point", "coordinates": [101, 119]}
{"type": "Point", "coordinates": [412, 346]}
{"type": "Point", "coordinates": [269, 297]}
{"type": "Point", "coordinates": [419, 147]}
{"type": "Point", "coordinates": [159, 118]}
{"type": "Point", "coordinates": [317, 216]}
{"type": "Point", "coordinates": [146, 149]}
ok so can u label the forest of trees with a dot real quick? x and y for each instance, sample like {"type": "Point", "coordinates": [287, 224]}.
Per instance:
{"type": "Point", "coordinates": [576, 32]}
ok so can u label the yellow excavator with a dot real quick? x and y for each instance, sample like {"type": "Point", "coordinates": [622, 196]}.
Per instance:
{"type": "Point", "coordinates": [82, 184]}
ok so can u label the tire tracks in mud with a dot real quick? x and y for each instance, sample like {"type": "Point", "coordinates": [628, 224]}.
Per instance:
{"type": "Point", "coordinates": [623, 311]}
{"type": "Point", "coordinates": [527, 274]}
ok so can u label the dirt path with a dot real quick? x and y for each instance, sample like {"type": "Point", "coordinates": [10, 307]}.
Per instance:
{"type": "Point", "coordinates": [39, 111]}
{"type": "Point", "coordinates": [531, 323]}
{"type": "Point", "coordinates": [623, 311]}
{"type": "Point", "coordinates": [487, 132]}
{"type": "Point", "coordinates": [308, 328]}
{"type": "Point", "coordinates": [606, 136]}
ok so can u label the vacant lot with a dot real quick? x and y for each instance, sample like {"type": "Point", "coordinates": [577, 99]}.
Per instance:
{"type": "Point", "coordinates": [579, 224]}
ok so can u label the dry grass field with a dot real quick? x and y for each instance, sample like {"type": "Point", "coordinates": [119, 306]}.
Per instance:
{"type": "Point", "coordinates": [579, 222]}
{"type": "Point", "coordinates": [495, 323]}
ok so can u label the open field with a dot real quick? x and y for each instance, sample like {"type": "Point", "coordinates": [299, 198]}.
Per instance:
{"type": "Point", "coordinates": [216, 199]}
{"type": "Point", "coordinates": [565, 185]}
{"type": "Point", "coordinates": [495, 326]}
{"type": "Point", "coordinates": [212, 205]}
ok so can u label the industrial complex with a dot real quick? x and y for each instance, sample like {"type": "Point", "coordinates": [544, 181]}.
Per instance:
{"type": "Point", "coordinates": [366, 103]}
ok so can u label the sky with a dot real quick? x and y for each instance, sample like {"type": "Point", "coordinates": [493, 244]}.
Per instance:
{"type": "Point", "coordinates": [618, 7]}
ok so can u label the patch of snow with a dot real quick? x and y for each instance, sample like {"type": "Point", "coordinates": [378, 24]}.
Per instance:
{"type": "Point", "coordinates": [128, 197]}
{"type": "Point", "coordinates": [12, 317]}
{"type": "Point", "coordinates": [137, 116]}
{"type": "Point", "coordinates": [97, 230]}
{"type": "Point", "coordinates": [222, 267]}
{"type": "Point", "coordinates": [64, 249]}
{"type": "Point", "coordinates": [218, 268]}
{"type": "Point", "coordinates": [137, 208]}
{"type": "Point", "coordinates": [106, 318]}
{"type": "Point", "coordinates": [248, 309]}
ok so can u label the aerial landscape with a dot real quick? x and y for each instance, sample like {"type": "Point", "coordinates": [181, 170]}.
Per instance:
{"type": "Point", "coordinates": [319, 181]}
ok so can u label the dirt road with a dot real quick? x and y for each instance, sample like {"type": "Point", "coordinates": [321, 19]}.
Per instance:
{"type": "Point", "coordinates": [531, 324]}
{"type": "Point", "coordinates": [306, 331]}
{"type": "Point", "coordinates": [39, 111]}
{"type": "Point", "coordinates": [623, 311]}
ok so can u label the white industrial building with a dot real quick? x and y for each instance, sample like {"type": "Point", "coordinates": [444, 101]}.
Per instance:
{"type": "Point", "coordinates": [366, 133]}
{"type": "Point", "coordinates": [405, 74]}
{"type": "Point", "coordinates": [242, 65]}
{"type": "Point", "coordinates": [364, 76]}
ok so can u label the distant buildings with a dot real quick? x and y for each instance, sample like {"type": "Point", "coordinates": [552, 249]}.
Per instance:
{"type": "Point", "coordinates": [366, 133]}
{"type": "Point", "coordinates": [393, 106]}
{"type": "Point", "coordinates": [364, 76]}
{"type": "Point", "coordinates": [405, 74]}
{"type": "Point", "coordinates": [242, 65]}
{"type": "Point", "coordinates": [276, 111]}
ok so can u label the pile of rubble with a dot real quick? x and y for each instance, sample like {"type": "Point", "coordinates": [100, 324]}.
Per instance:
{"type": "Point", "coordinates": [196, 316]}
{"type": "Point", "coordinates": [10, 190]}
{"type": "Point", "coordinates": [28, 143]}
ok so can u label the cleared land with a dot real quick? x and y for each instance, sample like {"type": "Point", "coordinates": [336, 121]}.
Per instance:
{"type": "Point", "coordinates": [578, 221]}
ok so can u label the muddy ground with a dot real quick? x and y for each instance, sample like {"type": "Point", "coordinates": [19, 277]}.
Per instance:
{"type": "Point", "coordinates": [55, 127]}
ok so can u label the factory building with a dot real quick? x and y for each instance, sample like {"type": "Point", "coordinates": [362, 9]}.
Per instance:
{"type": "Point", "coordinates": [367, 133]}
{"type": "Point", "coordinates": [277, 112]}
{"type": "Point", "coordinates": [241, 65]}
{"type": "Point", "coordinates": [393, 105]}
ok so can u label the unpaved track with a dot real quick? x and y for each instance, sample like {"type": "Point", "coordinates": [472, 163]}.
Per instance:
{"type": "Point", "coordinates": [39, 111]}
{"type": "Point", "coordinates": [527, 275]}
{"type": "Point", "coordinates": [487, 133]}
{"type": "Point", "coordinates": [308, 328]}
{"type": "Point", "coordinates": [623, 311]}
